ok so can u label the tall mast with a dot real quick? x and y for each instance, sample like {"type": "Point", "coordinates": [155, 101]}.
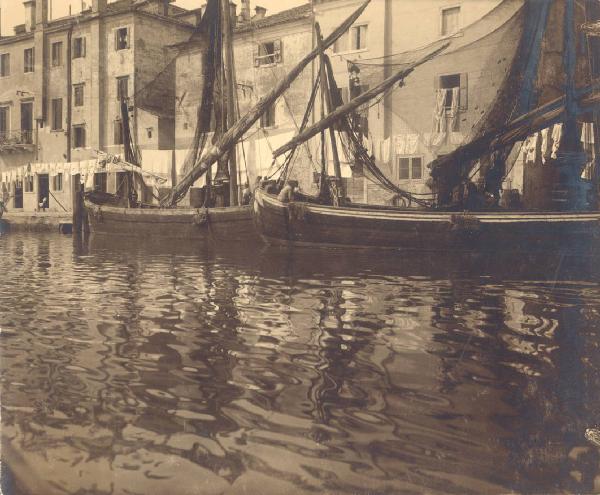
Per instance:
{"type": "Point", "coordinates": [231, 97]}
{"type": "Point", "coordinates": [326, 92]}
{"type": "Point", "coordinates": [571, 139]}
{"type": "Point", "coordinates": [234, 133]}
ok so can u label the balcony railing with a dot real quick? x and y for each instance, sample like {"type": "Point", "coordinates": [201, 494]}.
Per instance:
{"type": "Point", "coordinates": [15, 139]}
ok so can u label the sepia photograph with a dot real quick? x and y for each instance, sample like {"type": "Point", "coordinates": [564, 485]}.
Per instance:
{"type": "Point", "coordinates": [299, 247]}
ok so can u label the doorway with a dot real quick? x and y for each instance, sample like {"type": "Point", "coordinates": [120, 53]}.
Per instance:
{"type": "Point", "coordinates": [43, 191]}
{"type": "Point", "coordinates": [27, 123]}
{"type": "Point", "coordinates": [18, 196]}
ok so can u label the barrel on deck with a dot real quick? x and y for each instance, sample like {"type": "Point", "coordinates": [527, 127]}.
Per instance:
{"type": "Point", "coordinates": [197, 195]}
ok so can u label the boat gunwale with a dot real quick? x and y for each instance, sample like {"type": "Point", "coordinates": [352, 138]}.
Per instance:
{"type": "Point", "coordinates": [184, 211]}
{"type": "Point", "coordinates": [402, 214]}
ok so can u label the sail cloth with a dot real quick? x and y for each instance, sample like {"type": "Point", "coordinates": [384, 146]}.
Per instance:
{"type": "Point", "coordinates": [532, 81]}
{"type": "Point", "coordinates": [209, 29]}
{"type": "Point", "coordinates": [515, 97]}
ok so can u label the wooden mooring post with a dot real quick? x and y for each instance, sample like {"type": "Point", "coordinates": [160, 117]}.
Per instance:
{"type": "Point", "coordinates": [77, 198]}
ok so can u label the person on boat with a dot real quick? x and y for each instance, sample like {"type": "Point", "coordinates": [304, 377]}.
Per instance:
{"type": "Point", "coordinates": [287, 193]}
{"type": "Point", "coordinates": [246, 195]}
{"type": "Point", "coordinates": [474, 199]}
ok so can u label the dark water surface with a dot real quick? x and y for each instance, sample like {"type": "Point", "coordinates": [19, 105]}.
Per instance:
{"type": "Point", "coordinates": [174, 370]}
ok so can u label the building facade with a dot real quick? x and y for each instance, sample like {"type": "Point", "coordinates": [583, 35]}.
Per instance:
{"type": "Point", "coordinates": [265, 49]}
{"type": "Point", "coordinates": [441, 101]}
{"type": "Point", "coordinates": [61, 81]}
{"type": "Point", "coordinates": [435, 111]}
{"type": "Point", "coordinates": [71, 72]}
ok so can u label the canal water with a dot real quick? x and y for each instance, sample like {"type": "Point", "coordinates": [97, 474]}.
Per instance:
{"type": "Point", "coordinates": [171, 369]}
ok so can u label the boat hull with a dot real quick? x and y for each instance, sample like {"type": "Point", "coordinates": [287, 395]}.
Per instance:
{"type": "Point", "coordinates": [231, 223]}
{"type": "Point", "coordinates": [378, 227]}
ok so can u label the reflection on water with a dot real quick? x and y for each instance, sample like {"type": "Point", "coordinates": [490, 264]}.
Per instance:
{"type": "Point", "coordinates": [176, 370]}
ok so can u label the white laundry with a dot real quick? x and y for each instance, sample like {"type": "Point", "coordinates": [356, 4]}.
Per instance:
{"type": "Point", "coordinates": [556, 137]}
{"type": "Point", "coordinates": [400, 141]}
{"type": "Point", "coordinates": [439, 116]}
{"type": "Point", "coordinates": [412, 143]}
{"type": "Point", "coordinates": [385, 150]}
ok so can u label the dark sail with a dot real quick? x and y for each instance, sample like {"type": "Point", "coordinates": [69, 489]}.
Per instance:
{"type": "Point", "coordinates": [517, 95]}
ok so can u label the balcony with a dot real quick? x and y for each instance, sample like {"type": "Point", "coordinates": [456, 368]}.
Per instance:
{"type": "Point", "coordinates": [16, 141]}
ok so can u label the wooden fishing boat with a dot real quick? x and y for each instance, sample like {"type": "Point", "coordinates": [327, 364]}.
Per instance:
{"type": "Point", "coordinates": [304, 223]}
{"type": "Point", "coordinates": [231, 222]}
{"type": "Point", "coordinates": [572, 221]}
{"type": "Point", "coordinates": [228, 223]}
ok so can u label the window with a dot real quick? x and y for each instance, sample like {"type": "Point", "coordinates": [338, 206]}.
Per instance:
{"type": "Point", "coordinates": [450, 21]}
{"type": "Point", "coordinates": [28, 183]}
{"type": "Point", "coordinates": [4, 122]}
{"type": "Point", "coordinates": [352, 40]}
{"type": "Point", "coordinates": [410, 167]}
{"type": "Point", "coordinates": [268, 53]}
{"type": "Point", "coordinates": [451, 84]}
{"type": "Point", "coordinates": [267, 119]}
{"type": "Point", "coordinates": [100, 181]}
{"type": "Point", "coordinates": [5, 65]}
{"type": "Point", "coordinates": [78, 136]}
{"type": "Point", "coordinates": [417, 168]}
{"type": "Point", "coordinates": [57, 114]}
{"type": "Point", "coordinates": [118, 132]}
{"type": "Point", "coordinates": [122, 87]}
{"type": "Point", "coordinates": [28, 60]}
{"type": "Point", "coordinates": [122, 39]}
{"type": "Point", "coordinates": [456, 86]}
{"type": "Point", "coordinates": [57, 54]}
{"type": "Point", "coordinates": [57, 182]}
{"type": "Point", "coordinates": [78, 47]}
{"type": "Point", "coordinates": [358, 38]}
{"type": "Point", "coordinates": [78, 95]}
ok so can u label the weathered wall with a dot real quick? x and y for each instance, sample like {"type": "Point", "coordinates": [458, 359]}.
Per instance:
{"type": "Point", "coordinates": [155, 79]}
{"type": "Point", "coordinates": [17, 88]}
{"type": "Point", "coordinates": [253, 83]}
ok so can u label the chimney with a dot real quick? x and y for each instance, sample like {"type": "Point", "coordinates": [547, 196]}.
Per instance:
{"type": "Point", "coordinates": [41, 12]}
{"type": "Point", "coordinates": [260, 12]}
{"type": "Point", "coordinates": [29, 15]}
{"type": "Point", "coordinates": [165, 8]}
{"type": "Point", "coordinates": [98, 6]}
{"type": "Point", "coordinates": [245, 10]}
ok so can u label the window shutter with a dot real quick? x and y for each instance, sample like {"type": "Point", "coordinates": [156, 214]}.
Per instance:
{"type": "Point", "coordinates": [255, 55]}
{"type": "Point", "coordinates": [464, 92]}
{"type": "Point", "coordinates": [127, 38]}
{"type": "Point", "coordinates": [83, 47]}
{"type": "Point", "coordinates": [278, 51]}
{"type": "Point", "coordinates": [116, 39]}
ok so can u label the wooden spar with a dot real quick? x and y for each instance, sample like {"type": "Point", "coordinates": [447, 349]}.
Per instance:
{"type": "Point", "coordinates": [355, 103]}
{"type": "Point", "coordinates": [229, 80]}
{"type": "Point", "coordinates": [326, 93]}
{"type": "Point", "coordinates": [571, 136]}
{"type": "Point", "coordinates": [231, 137]}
